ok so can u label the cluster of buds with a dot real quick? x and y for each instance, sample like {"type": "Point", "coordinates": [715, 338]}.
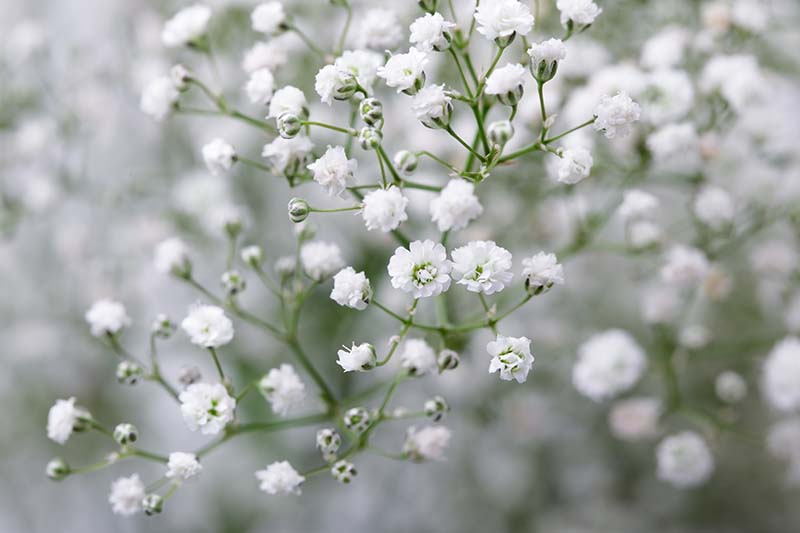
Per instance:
{"type": "Point", "coordinates": [343, 471]}
{"type": "Point", "coordinates": [357, 419]}
{"type": "Point", "coordinates": [128, 372]}
{"type": "Point", "coordinates": [328, 443]}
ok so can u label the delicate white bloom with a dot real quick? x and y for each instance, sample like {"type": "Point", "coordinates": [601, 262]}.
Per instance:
{"type": "Point", "coordinates": [357, 358]}
{"type": "Point", "coordinates": [455, 206]}
{"type": "Point", "coordinates": [333, 171]}
{"type": "Point", "coordinates": [332, 82]}
{"type": "Point", "coordinates": [781, 378]}
{"type": "Point", "coordinates": [260, 86]}
{"type": "Point", "coordinates": [637, 204]}
{"type": "Point", "coordinates": [643, 234]}
{"type": "Point", "coordinates": [321, 259]}
{"type": "Point", "coordinates": [159, 98]}
{"type": "Point", "coordinates": [432, 105]}
{"type": "Point", "coordinates": [404, 71]}
{"type": "Point", "coordinates": [580, 12]}
{"type": "Point", "coordinates": [684, 266]}
{"type": "Point", "coordinates": [426, 444]}
{"type": "Point", "coordinates": [775, 258]}
{"type": "Point", "coordinates": [183, 466]}
{"type": "Point", "coordinates": [684, 460]}
{"type": "Point", "coordinates": [107, 317]}
{"type": "Point", "coordinates": [172, 256]}
{"type": "Point", "coordinates": [126, 495]}
{"type": "Point", "coordinates": [660, 305]}
{"type": "Point", "coordinates": [541, 271]}
{"type": "Point", "coordinates": [668, 96]}
{"type": "Point", "coordinates": [207, 407]}
{"type": "Point", "coordinates": [431, 32]}
{"type": "Point", "coordinates": [207, 326]}
{"type": "Point", "coordinates": [418, 357]}
{"type": "Point", "coordinates": [379, 30]}
{"type": "Point", "coordinates": [545, 54]}
{"type": "Point", "coordinates": [750, 15]}
{"type": "Point", "coordinates": [511, 356]}
{"type": "Point", "coordinates": [482, 266]}
{"type": "Point", "coordinates": [280, 478]}
{"type": "Point", "coordinates": [676, 147]}
{"type": "Point", "coordinates": [502, 18]}
{"type": "Point", "coordinates": [186, 26]}
{"type": "Point", "coordinates": [384, 209]}
{"type": "Point", "coordinates": [363, 64]}
{"type": "Point", "coordinates": [422, 269]}
{"type": "Point", "coordinates": [351, 289]}
{"type": "Point", "coordinates": [269, 55]}
{"type": "Point", "coordinates": [730, 387]}
{"type": "Point", "coordinates": [714, 207]}
{"type": "Point", "coordinates": [288, 99]}
{"type": "Point", "coordinates": [283, 389]}
{"type": "Point", "coordinates": [608, 363]}
{"type": "Point", "coordinates": [507, 79]}
{"type": "Point", "coordinates": [575, 165]}
{"type": "Point", "coordinates": [635, 418]}
{"type": "Point", "coordinates": [62, 419]}
{"type": "Point", "coordinates": [615, 114]}
{"type": "Point", "coordinates": [694, 337]}
{"type": "Point", "coordinates": [285, 155]}
{"type": "Point", "coordinates": [218, 156]}
{"type": "Point", "coordinates": [665, 49]}
{"type": "Point", "coordinates": [737, 78]}
{"type": "Point", "coordinates": [268, 18]}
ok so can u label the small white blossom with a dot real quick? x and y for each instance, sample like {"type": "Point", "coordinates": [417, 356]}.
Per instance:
{"type": "Point", "coordinates": [482, 266]}
{"type": "Point", "coordinates": [207, 326]}
{"type": "Point", "coordinates": [581, 12]}
{"type": "Point", "coordinates": [332, 82]}
{"type": "Point", "coordinates": [575, 165]}
{"type": "Point", "coordinates": [260, 86]}
{"type": "Point", "coordinates": [549, 51]}
{"type": "Point", "coordinates": [635, 418]}
{"type": "Point", "coordinates": [351, 289]}
{"type": "Point", "coordinates": [608, 363]}
{"type": "Point", "coordinates": [267, 55]}
{"type": "Point", "coordinates": [404, 71]}
{"type": "Point", "coordinates": [684, 460]}
{"type": "Point", "coordinates": [62, 419]}
{"type": "Point", "coordinates": [172, 257]}
{"type": "Point", "coordinates": [333, 171]}
{"type": "Point", "coordinates": [321, 259]}
{"type": "Point", "coordinates": [675, 147]}
{"type": "Point", "coordinates": [384, 209]}
{"type": "Point", "coordinates": [502, 18]}
{"type": "Point", "coordinates": [107, 317]}
{"type": "Point", "coordinates": [615, 114]}
{"type": "Point", "coordinates": [422, 269]}
{"type": "Point", "coordinates": [511, 356]}
{"type": "Point", "coordinates": [684, 266]}
{"type": "Point", "coordinates": [186, 26]}
{"type": "Point", "coordinates": [207, 407]}
{"type": "Point", "coordinates": [660, 305]}
{"type": "Point", "coordinates": [642, 234]}
{"type": "Point", "coordinates": [418, 357]}
{"type": "Point", "coordinates": [432, 106]}
{"type": "Point", "coordinates": [637, 204]}
{"type": "Point", "coordinates": [357, 358]}
{"type": "Point", "coordinates": [737, 78]}
{"type": "Point", "coordinates": [730, 387]}
{"type": "Point", "coordinates": [182, 466]}
{"type": "Point", "coordinates": [379, 30]}
{"type": "Point", "coordinates": [431, 32]}
{"type": "Point", "coordinates": [126, 495]}
{"type": "Point", "coordinates": [159, 98]}
{"type": "Point", "coordinates": [268, 18]}
{"type": "Point", "coordinates": [287, 155]}
{"type": "Point", "coordinates": [283, 389]}
{"type": "Point", "coordinates": [714, 207]}
{"type": "Point", "coordinates": [363, 64]}
{"type": "Point", "coordinates": [218, 156]}
{"type": "Point", "coordinates": [455, 206]}
{"type": "Point", "coordinates": [426, 444]}
{"type": "Point", "coordinates": [288, 99]}
{"type": "Point", "coordinates": [280, 478]}
{"type": "Point", "coordinates": [542, 271]}
{"type": "Point", "coordinates": [781, 377]}
{"type": "Point", "coordinates": [505, 80]}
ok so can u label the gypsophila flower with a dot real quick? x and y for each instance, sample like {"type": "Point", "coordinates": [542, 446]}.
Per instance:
{"type": "Point", "coordinates": [159, 98]}
{"type": "Point", "coordinates": [128, 372]}
{"type": "Point", "coordinates": [107, 317]}
{"type": "Point", "coordinates": [252, 255]}
{"type": "Point", "coordinates": [384, 209]}
{"type": "Point", "coordinates": [218, 156]}
{"type": "Point", "coordinates": [356, 419]}
{"type": "Point", "coordinates": [684, 266]}
{"type": "Point", "coordinates": [280, 478]}
{"type": "Point", "coordinates": [447, 360]}
{"type": "Point", "coordinates": [482, 267]}
{"type": "Point", "coordinates": [57, 469]}
{"type": "Point", "coordinates": [635, 418]}
{"type": "Point", "coordinates": [608, 364]}
{"type": "Point", "coordinates": [288, 99]}
{"type": "Point", "coordinates": [260, 86]}
{"type": "Point", "coordinates": [575, 165]}
{"type": "Point", "coordinates": [781, 375]}
{"type": "Point", "coordinates": [418, 357]}
{"type": "Point", "coordinates": [730, 387]}
{"type": "Point", "coordinates": [379, 30]}
{"type": "Point", "coordinates": [283, 389]}
{"type": "Point", "coordinates": [455, 206]}
{"type": "Point", "coordinates": [182, 466]}
{"type": "Point", "coordinates": [207, 326]}
{"type": "Point", "coordinates": [582, 12]}
{"type": "Point", "coordinates": [321, 259]}
{"type": "Point", "coordinates": [431, 32]}
{"type": "Point", "coordinates": [506, 83]}
{"type": "Point", "coordinates": [422, 269]}
{"type": "Point", "coordinates": [268, 18]}
{"type": "Point", "coordinates": [675, 147]}
{"type": "Point", "coordinates": [426, 444]}
{"type": "Point", "coordinates": [63, 418]}
{"type": "Point", "coordinates": [684, 460]}
{"type": "Point", "coordinates": [660, 305]}
{"type": "Point", "coordinates": [714, 207]}
{"type": "Point", "coordinates": [736, 77]}
{"type": "Point", "coordinates": [343, 471]}
{"type": "Point", "coordinates": [351, 289]}
{"type": "Point", "coordinates": [334, 171]}
{"type": "Point", "coordinates": [503, 19]}
{"type": "Point", "coordinates": [357, 358]}
{"type": "Point", "coordinates": [328, 442]}
{"type": "Point", "coordinates": [435, 408]}
{"type": "Point", "coordinates": [186, 26]}
{"type": "Point", "coordinates": [288, 156]}
{"type": "Point", "coordinates": [432, 106]}
{"type": "Point", "coordinates": [126, 495]}
{"type": "Point", "coordinates": [545, 57]}
{"type": "Point", "coordinates": [541, 272]}
{"type": "Point", "coordinates": [511, 356]}
{"type": "Point", "coordinates": [637, 204]}
{"type": "Point", "coordinates": [642, 234]}
{"type": "Point", "coordinates": [615, 114]}
{"type": "Point", "coordinates": [332, 83]}
{"type": "Point", "coordinates": [363, 64]}
{"type": "Point", "coordinates": [405, 72]}
{"type": "Point", "coordinates": [163, 327]}
{"type": "Point", "coordinates": [206, 407]}
{"type": "Point", "coordinates": [266, 55]}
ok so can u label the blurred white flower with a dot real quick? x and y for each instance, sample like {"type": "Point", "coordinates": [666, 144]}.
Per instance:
{"type": "Point", "coordinates": [182, 466]}
{"type": "Point", "coordinates": [260, 86]}
{"type": "Point", "coordinates": [781, 377]}
{"type": "Point", "coordinates": [714, 207]}
{"type": "Point", "coordinates": [283, 389]}
{"type": "Point", "coordinates": [581, 12]}
{"type": "Point", "coordinates": [637, 204]}
{"type": "Point", "coordinates": [172, 257]}
{"type": "Point", "coordinates": [635, 418]}
{"type": "Point", "coordinates": [684, 266]}
{"type": "Point", "coordinates": [186, 26]}
{"type": "Point", "coordinates": [159, 98]}
{"type": "Point", "coordinates": [684, 460]}
{"type": "Point", "coordinates": [426, 444]}
{"type": "Point", "coordinates": [608, 364]}
{"type": "Point", "coordinates": [730, 387]}
{"type": "Point", "coordinates": [455, 206]}
{"type": "Point", "coordinates": [62, 419]}
{"type": "Point", "coordinates": [418, 357]}
{"type": "Point", "coordinates": [268, 18]}
{"type": "Point", "coordinates": [107, 317]}
{"type": "Point", "coordinates": [218, 156]}
{"type": "Point", "coordinates": [126, 495]}
{"type": "Point", "coordinates": [287, 155]}
{"type": "Point", "coordinates": [379, 29]}
{"type": "Point", "coordinates": [321, 259]}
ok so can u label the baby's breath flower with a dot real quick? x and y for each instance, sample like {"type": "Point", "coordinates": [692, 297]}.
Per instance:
{"type": "Point", "coordinates": [511, 356]}
{"type": "Point", "coordinates": [206, 407]}
{"type": "Point", "coordinates": [608, 363]}
{"type": "Point", "coordinates": [64, 418]}
{"type": "Point", "coordinates": [357, 358]}
{"type": "Point", "coordinates": [351, 289]}
{"type": "Point", "coordinates": [541, 272]}
{"type": "Point", "coordinates": [107, 317]}
{"type": "Point", "coordinates": [418, 357]}
{"type": "Point", "coordinates": [507, 83]}
{"type": "Point", "coordinates": [384, 209]}
{"type": "Point", "coordinates": [455, 206]}
{"type": "Point", "coordinates": [615, 114]}
{"type": "Point", "coordinates": [268, 18]}
{"type": "Point", "coordinates": [280, 478]}
{"type": "Point", "coordinates": [321, 259]}
{"type": "Point", "coordinates": [334, 171]}
{"type": "Point", "coordinates": [283, 389]}
{"type": "Point", "coordinates": [482, 266]}
{"type": "Point", "coordinates": [405, 72]}
{"type": "Point", "coordinates": [431, 32]}
{"type": "Point", "coordinates": [422, 269]}
{"type": "Point", "coordinates": [684, 460]}
{"type": "Point", "coordinates": [187, 26]}
{"type": "Point", "coordinates": [207, 326]}
{"type": "Point", "coordinates": [503, 19]}
{"type": "Point", "coordinates": [426, 444]}
{"type": "Point", "coordinates": [126, 495]}
{"type": "Point", "coordinates": [218, 156]}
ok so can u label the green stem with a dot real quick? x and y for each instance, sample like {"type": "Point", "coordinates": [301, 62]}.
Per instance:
{"type": "Point", "coordinates": [351, 132]}
{"type": "Point", "coordinates": [221, 373]}
{"type": "Point", "coordinates": [463, 143]}
{"type": "Point", "coordinates": [576, 128]}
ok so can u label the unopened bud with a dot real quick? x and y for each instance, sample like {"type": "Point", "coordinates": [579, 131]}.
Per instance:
{"type": "Point", "coordinates": [406, 162]}
{"type": "Point", "coordinates": [435, 408]}
{"type": "Point", "coordinates": [298, 210]}
{"type": "Point", "coordinates": [328, 443]}
{"type": "Point", "coordinates": [289, 125]}
{"type": "Point", "coordinates": [190, 375]}
{"type": "Point", "coordinates": [500, 132]}
{"type": "Point", "coordinates": [285, 266]}
{"type": "Point", "coordinates": [57, 469]}
{"type": "Point", "coordinates": [356, 419]}
{"type": "Point", "coordinates": [152, 504]}
{"type": "Point", "coordinates": [180, 77]}
{"type": "Point", "coordinates": [370, 138]}
{"type": "Point", "coordinates": [163, 327]}
{"type": "Point", "coordinates": [343, 471]}
{"type": "Point", "coordinates": [253, 256]}
{"type": "Point", "coordinates": [233, 282]}
{"type": "Point", "coordinates": [371, 110]}
{"type": "Point", "coordinates": [447, 360]}
{"type": "Point", "coordinates": [128, 372]}
{"type": "Point", "coordinates": [125, 434]}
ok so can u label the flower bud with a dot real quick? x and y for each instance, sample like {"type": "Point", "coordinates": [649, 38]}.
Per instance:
{"type": "Point", "coordinates": [125, 434]}
{"type": "Point", "coordinates": [370, 138]}
{"type": "Point", "coordinates": [328, 443]}
{"type": "Point", "coordinates": [298, 210]}
{"type": "Point", "coordinates": [253, 256]}
{"type": "Point", "coordinates": [435, 408]}
{"type": "Point", "coordinates": [511, 98]}
{"type": "Point", "coordinates": [504, 41]}
{"type": "Point", "coordinates": [371, 110]}
{"type": "Point", "coordinates": [162, 326]}
{"type": "Point", "coordinates": [289, 125]}
{"type": "Point", "coordinates": [233, 282]}
{"type": "Point", "coordinates": [406, 162]}
{"type": "Point", "coordinates": [343, 471]}
{"type": "Point", "coordinates": [447, 360]}
{"type": "Point", "coordinates": [233, 224]}
{"type": "Point", "coordinates": [57, 469]}
{"type": "Point", "coordinates": [347, 87]}
{"type": "Point", "coordinates": [180, 77]}
{"type": "Point", "coordinates": [152, 504]}
{"type": "Point", "coordinates": [189, 375]}
{"type": "Point", "coordinates": [356, 419]}
{"type": "Point", "coordinates": [128, 372]}
{"type": "Point", "coordinates": [500, 132]}
{"type": "Point", "coordinates": [285, 266]}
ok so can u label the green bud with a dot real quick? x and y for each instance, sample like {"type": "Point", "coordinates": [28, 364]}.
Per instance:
{"type": "Point", "coordinates": [500, 132]}
{"type": "Point", "coordinates": [370, 138]}
{"type": "Point", "coordinates": [289, 125]}
{"type": "Point", "coordinates": [153, 504]}
{"type": "Point", "coordinates": [233, 282]}
{"type": "Point", "coordinates": [371, 110]}
{"type": "Point", "coordinates": [57, 469]}
{"type": "Point", "coordinates": [435, 408]}
{"type": "Point", "coordinates": [298, 210]}
{"type": "Point", "coordinates": [406, 162]}
{"type": "Point", "coordinates": [128, 372]}
{"type": "Point", "coordinates": [447, 360]}
{"type": "Point", "coordinates": [125, 434]}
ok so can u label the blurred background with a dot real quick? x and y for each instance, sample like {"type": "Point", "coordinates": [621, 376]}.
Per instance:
{"type": "Point", "coordinates": [89, 185]}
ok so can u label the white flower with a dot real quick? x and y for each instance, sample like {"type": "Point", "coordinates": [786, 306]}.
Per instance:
{"type": "Point", "coordinates": [280, 478]}
{"type": "Point", "coordinates": [455, 206]}
{"type": "Point", "coordinates": [357, 358]}
{"type": "Point", "coordinates": [783, 439]}
{"type": "Point", "coordinates": [333, 171]}
{"type": "Point", "coordinates": [507, 79]}
{"type": "Point", "coordinates": [268, 17]}
{"type": "Point", "coordinates": [781, 378]}
{"type": "Point", "coordinates": [172, 257]}
{"type": "Point", "coordinates": [684, 460]}
{"type": "Point", "coordinates": [332, 82]}
{"type": "Point", "coordinates": [668, 96]}
{"type": "Point", "coordinates": [107, 317]}
{"type": "Point", "coordinates": [502, 18]}
{"type": "Point", "coordinates": [665, 49]}
{"type": "Point", "coordinates": [283, 389]}
{"type": "Point", "coordinates": [684, 266]}
{"type": "Point", "coordinates": [288, 99]}
{"type": "Point", "coordinates": [581, 12]}
{"type": "Point", "coordinates": [126, 495]}
{"type": "Point", "coordinates": [384, 209]}
{"type": "Point", "coordinates": [615, 114]}
{"type": "Point", "coordinates": [379, 30]}
{"type": "Point", "coordinates": [418, 357]}
{"type": "Point", "coordinates": [642, 234]}
{"type": "Point", "coordinates": [432, 106]}
{"type": "Point", "coordinates": [575, 165]}
{"type": "Point", "coordinates": [428, 443]}
{"type": "Point", "coordinates": [608, 363]}
{"type": "Point", "coordinates": [207, 326]}
{"type": "Point", "coordinates": [260, 86]}
{"type": "Point", "coordinates": [363, 64]}
{"type": "Point", "coordinates": [321, 259]}
{"type": "Point", "coordinates": [676, 147]}
{"type": "Point", "coordinates": [751, 15]}
{"type": "Point", "coordinates": [635, 418]}
{"type": "Point", "coordinates": [404, 71]}
{"type": "Point", "coordinates": [730, 387]}
{"type": "Point", "coordinates": [774, 258]}
{"type": "Point", "coordinates": [431, 32]}
{"type": "Point", "coordinates": [541, 272]}
{"type": "Point", "coordinates": [545, 57]}
{"type": "Point", "coordinates": [637, 204]}
{"type": "Point", "coordinates": [287, 155]}
{"type": "Point", "coordinates": [714, 207]}
{"type": "Point", "coordinates": [207, 407]}
{"type": "Point", "coordinates": [351, 289]}
{"type": "Point", "coordinates": [62, 418]}
{"type": "Point", "coordinates": [482, 266]}
{"type": "Point", "coordinates": [511, 356]}
{"type": "Point", "coordinates": [422, 270]}
{"type": "Point", "coordinates": [186, 26]}
{"type": "Point", "coordinates": [218, 156]}
{"type": "Point", "coordinates": [660, 305]}
{"type": "Point", "coordinates": [159, 98]}
{"type": "Point", "coordinates": [737, 78]}
{"type": "Point", "coordinates": [269, 55]}
{"type": "Point", "coordinates": [182, 466]}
